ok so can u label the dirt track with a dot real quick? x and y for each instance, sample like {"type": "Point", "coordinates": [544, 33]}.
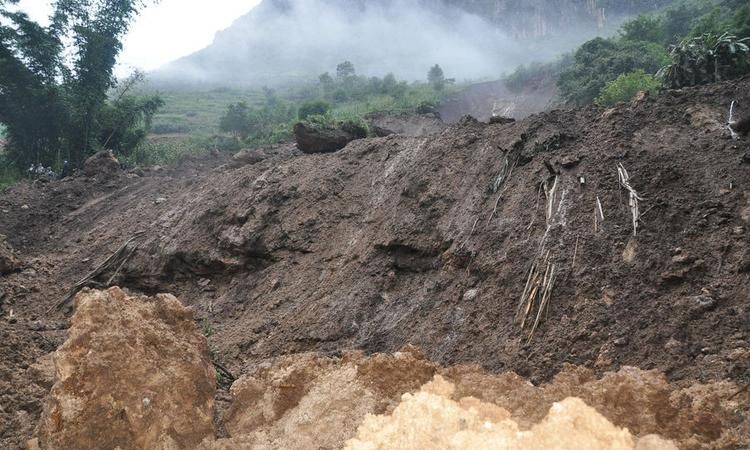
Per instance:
{"type": "Point", "coordinates": [397, 240]}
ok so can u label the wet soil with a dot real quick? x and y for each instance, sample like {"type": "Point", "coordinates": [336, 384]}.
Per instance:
{"type": "Point", "coordinates": [420, 240]}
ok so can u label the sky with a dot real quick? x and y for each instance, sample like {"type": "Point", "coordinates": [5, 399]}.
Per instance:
{"type": "Point", "coordinates": [166, 31]}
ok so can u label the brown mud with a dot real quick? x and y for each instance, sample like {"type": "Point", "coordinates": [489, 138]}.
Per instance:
{"type": "Point", "coordinates": [420, 240]}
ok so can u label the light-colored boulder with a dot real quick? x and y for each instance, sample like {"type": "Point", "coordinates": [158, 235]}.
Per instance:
{"type": "Point", "coordinates": [133, 374]}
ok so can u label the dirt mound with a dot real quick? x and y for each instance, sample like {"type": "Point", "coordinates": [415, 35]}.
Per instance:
{"type": "Point", "coordinates": [431, 420]}
{"type": "Point", "coordinates": [133, 374]}
{"type": "Point", "coordinates": [102, 164]}
{"type": "Point", "coordinates": [441, 241]}
{"type": "Point", "coordinates": [287, 404]}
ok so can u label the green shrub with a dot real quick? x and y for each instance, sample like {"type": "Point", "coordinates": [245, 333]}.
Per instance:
{"type": "Point", "coordinates": [427, 107]}
{"type": "Point", "coordinates": [599, 61]}
{"type": "Point", "coordinates": [355, 126]}
{"type": "Point", "coordinates": [626, 86]}
{"type": "Point", "coordinates": [313, 107]}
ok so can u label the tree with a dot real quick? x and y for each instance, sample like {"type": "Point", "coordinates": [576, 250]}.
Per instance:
{"type": "Point", "coordinates": [237, 120]}
{"type": "Point", "coordinates": [54, 79]}
{"type": "Point", "coordinates": [436, 78]}
{"type": "Point", "coordinates": [644, 28]}
{"type": "Point", "coordinates": [327, 82]}
{"type": "Point", "coordinates": [345, 70]}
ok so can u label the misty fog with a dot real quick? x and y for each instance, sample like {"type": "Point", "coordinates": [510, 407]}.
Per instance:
{"type": "Point", "coordinates": [285, 40]}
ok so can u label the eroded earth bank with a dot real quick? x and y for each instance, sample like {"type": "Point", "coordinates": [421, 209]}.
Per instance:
{"type": "Point", "coordinates": [500, 274]}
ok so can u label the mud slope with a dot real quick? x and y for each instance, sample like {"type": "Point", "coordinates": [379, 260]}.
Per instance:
{"type": "Point", "coordinates": [428, 241]}
{"type": "Point", "coordinates": [494, 98]}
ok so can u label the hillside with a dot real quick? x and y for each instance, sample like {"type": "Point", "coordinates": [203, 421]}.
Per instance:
{"type": "Point", "coordinates": [509, 246]}
{"type": "Point", "coordinates": [285, 40]}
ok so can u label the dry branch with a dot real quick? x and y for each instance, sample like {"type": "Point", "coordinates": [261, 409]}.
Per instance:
{"type": "Point", "coordinates": [116, 261]}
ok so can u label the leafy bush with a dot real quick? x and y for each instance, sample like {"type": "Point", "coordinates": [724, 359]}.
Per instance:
{"type": "Point", "coordinates": [313, 107]}
{"type": "Point", "coordinates": [626, 86]}
{"type": "Point", "coordinates": [236, 120]}
{"type": "Point", "coordinates": [125, 122]}
{"type": "Point", "coordinates": [355, 126]}
{"type": "Point", "coordinates": [427, 107]}
{"type": "Point", "coordinates": [599, 61]}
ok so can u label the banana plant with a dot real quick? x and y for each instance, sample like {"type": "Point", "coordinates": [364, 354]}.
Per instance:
{"type": "Point", "coordinates": [705, 59]}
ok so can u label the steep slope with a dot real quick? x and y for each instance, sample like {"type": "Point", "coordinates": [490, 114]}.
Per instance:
{"type": "Point", "coordinates": [439, 241]}
{"type": "Point", "coordinates": [283, 40]}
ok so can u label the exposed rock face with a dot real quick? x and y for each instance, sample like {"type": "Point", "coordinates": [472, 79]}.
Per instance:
{"type": "Point", "coordinates": [316, 138]}
{"type": "Point", "coordinates": [134, 374]}
{"type": "Point", "coordinates": [9, 263]}
{"type": "Point", "coordinates": [101, 164]}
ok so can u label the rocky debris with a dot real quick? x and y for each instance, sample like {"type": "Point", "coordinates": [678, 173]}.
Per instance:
{"type": "Point", "coordinates": [9, 262]}
{"type": "Point", "coordinates": [432, 420]}
{"type": "Point", "coordinates": [133, 374]}
{"type": "Point", "coordinates": [101, 164]}
{"type": "Point", "coordinates": [376, 248]}
{"type": "Point", "coordinates": [414, 125]}
{"type": "Point", "coordinates": [314, 137]}
{"type": "Point", "coordinates": [288, 403]}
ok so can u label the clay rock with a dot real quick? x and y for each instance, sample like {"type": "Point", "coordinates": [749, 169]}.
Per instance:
{"type": "Point", "coordinates": [9, 263]}
{"type": "Point", "coordinates": [431, 419]}
{"type": "Point", "coordinates": [322, 138]}
{"type": "Point", "coordinates": [102, 163]}
{"type": "Point", "coordinates": [133, 374]}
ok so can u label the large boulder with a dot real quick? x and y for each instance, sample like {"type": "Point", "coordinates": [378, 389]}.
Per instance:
{"type": "Point", "coordinates": [315, 137]}
{"type": "Point", "coordinates": [133, 374]}
{"type": "Point", "coordinates": [101, 164]}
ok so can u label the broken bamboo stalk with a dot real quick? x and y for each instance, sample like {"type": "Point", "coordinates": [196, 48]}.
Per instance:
{"type": "Point", "coordinates": [634, 197]}
{"type": "Point", "coordinates": [116, 260]}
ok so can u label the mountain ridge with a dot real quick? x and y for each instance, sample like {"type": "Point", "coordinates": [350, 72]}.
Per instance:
{"type": "Point", "coordinates": [282, 40]}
